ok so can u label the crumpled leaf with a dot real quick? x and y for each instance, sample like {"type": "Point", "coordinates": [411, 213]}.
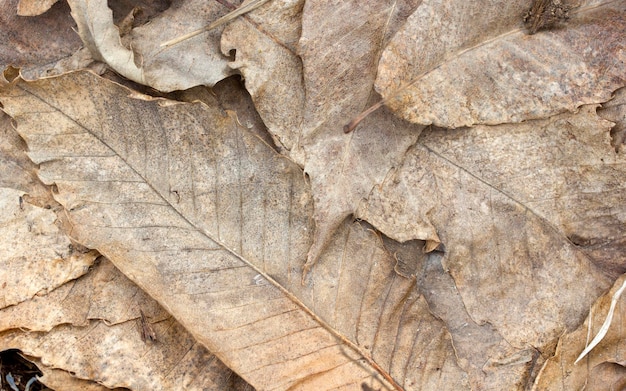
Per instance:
{"type": "Point", "coordinates": [36, 256]}
{"type": "Point", "coordinates": [462, 63]}
{"type": "Point", "coordinates": [615, 111]}
{"type": "Point", "coordinates": [215, 225]}
{"type": "Point", "coordinates": [508, 203]}
{"type": "Point", "coordinates": [490, 361]}
{"type": "Point", "coordinates": [564, 170]}
{"type": "Point", "coordinates": [90, 330]}
{"type": "Point", "coordinates": [603, 368]}
{"type": "Point", "coordinates": [305, 93]}
{"type": "Point", "coordinates": [144, 61]}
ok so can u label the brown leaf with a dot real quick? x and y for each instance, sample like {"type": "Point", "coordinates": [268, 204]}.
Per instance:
{"type": "Point", "coordinates": [265, 46]}
{"type": "Point", "coordinates": [143, 60]}
{"type": "Point", "coordinates": [490, 361]}
{"type": "Point", "coordinates": [92, 333]}
{"type": "Point", "coordinates": [506, 203]}
{"type": "Point", "coordinates": [615, 111]}
{"type": "Point", "coordinates": [563, 169]}
{"type": "Point", "coordinates": [35, 44]}
{"type": "Point", "coordinates": [459, 64]}
{"type": "Point", "coordinates": [34, 7]}
{"type": "Point", "coordinates": [215, 225]}
{"type": "Point", "coordinates": [36, 256]}
{"type": "Point", "coordinates": [603, 369]}
{"type": "Point", "coordinates": [333, 67]}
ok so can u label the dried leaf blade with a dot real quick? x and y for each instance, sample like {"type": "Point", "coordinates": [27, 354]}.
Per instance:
{"type": "Point", "coordinates": [147, 228]}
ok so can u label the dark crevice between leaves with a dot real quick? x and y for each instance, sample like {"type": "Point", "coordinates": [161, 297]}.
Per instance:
{"type": "Point", "coordinates": [143, 10]}
{"type": "Point", "coordinates": [17, 373]}
{"type": "Point", "coordinates": [409, 255]}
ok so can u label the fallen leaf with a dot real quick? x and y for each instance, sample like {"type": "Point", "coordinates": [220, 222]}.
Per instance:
{"type": "Point", "coordinates": [615, 111]}
{"type": "Point", "coordinates": [215, 225]}
{"type": "Point", "coordinates": [457, 64]}
{"type": "Point", "coordinates": [144, 60]}
{"type": "Point", "coordinates": [87, 331]}
{"type": "Point", "coordinates": [564, 170]}
{"type": "Point", "coordinates": [490, 361]}
{"type": "Point", "coordinates": [265, 54]}
{"type": "Point", "coordinates": [604, 366]}
{"type": "Point", "coordinates": [306, 92]}
{"type": "Point", "coordinates": [34, 7]}
{"type": "Point", "coordinates": [506, 202]}
{"type": "Point", "coordinates": [37, 257]}
{"type": "Point", "coordinates": [36, 44]}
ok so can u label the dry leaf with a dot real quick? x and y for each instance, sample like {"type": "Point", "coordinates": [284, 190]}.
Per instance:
{"type": "Point", "coordinates": [462, 63]}
{"type": "Point", "coordinates": [603, 369]}
{"type": "Point", "coordinates": [91, 333]}
{"type": "Point", "coordinates": [36, 256]}
{"type": "Point", "coordinates": [490, 361]}
{"type": "Point", "coordinates": [34, 7]}
{"type": "Point", "coordinates": [265, 45]}
{"type": "Point", "coordinates": [215, 225]}
{"type": "Point", "coordinates": [507, 202]}
{"type": "Point", "coordinates": [144, 60]}
{"type": "Point", "coordinates": [615, 111]}
{"type": "Point", "coordinates": [333, 67]}
{"type": "Point", "coordinates": [35, 44]}
{"type": "Point", "coordinates": [564, 170]}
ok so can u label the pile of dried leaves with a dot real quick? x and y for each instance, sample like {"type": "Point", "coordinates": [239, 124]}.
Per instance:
{"type": "Point", "coordinates": [193, 216]}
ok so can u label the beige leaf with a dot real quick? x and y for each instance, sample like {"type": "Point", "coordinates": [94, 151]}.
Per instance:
{"type": "Point", "coordinates": [564, 170]}
{"type": "Point", "coordinates": [333, 67]}
{"type": "Point", "coordinates": [463, 63]}
{"type": "Point", "coordinates": [194, 62]}
{"type": "Point", "coordinates": [531, 217]}
{"type": "Point", "coordinates": [34, 7]}
{"type": "Point", "coordinates": [603, 368]}
{"type": "Point", "coordinates": [215, 225]}
{"type": "Point", "coordinates": [490, 361]}
{"type": "Point", "coordinates": [35, 256]}
{"type": "Point", "coordinates": [615, 111]}
{"type": "Point", "coordinates": [265, 46]}
{"type": "Point", "coordinates": [93, 333]}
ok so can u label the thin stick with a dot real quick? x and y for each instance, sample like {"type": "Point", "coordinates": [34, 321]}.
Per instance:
{"type": "Point", "coordinates": [221, 21]}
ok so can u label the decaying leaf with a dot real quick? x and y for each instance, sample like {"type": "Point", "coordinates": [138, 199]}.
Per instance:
{"type": "Point", "coordinates": [564, 170]}
{"type": "Point", "coordinates": [144, 60]}
{"type": "Point", "coordinates": [463, 63]}
{"type": "Point", "coordinates": [36, 44]}
{"type": "Point", "coordinates": [215, 225]}
{"type": "Point", "coordinates": [34, 7]}
{"type": "Point", "coordinates": [333, 66]}
{"type": "Point", "coordinates": [615, 111]}
{"type": "Point", "coordinates": [506, 211]}
{"type": "Point", "coordinates": [273, 72]}
{"type": "Point", "coordinates": [603, 368]}
{"type": "Point", "coordinates": [36, 256]}
{"type": "Point", "coordinates": [85, 331]}
{"type": "Point", "coordinates": [490, 361]}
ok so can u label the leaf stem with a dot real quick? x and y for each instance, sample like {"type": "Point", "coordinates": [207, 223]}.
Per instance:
{"type": "Point", "coordinates": [356, 120]}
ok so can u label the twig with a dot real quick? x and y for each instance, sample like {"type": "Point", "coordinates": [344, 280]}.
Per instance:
{"type": "Point", "coordinates": [221, 21]}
